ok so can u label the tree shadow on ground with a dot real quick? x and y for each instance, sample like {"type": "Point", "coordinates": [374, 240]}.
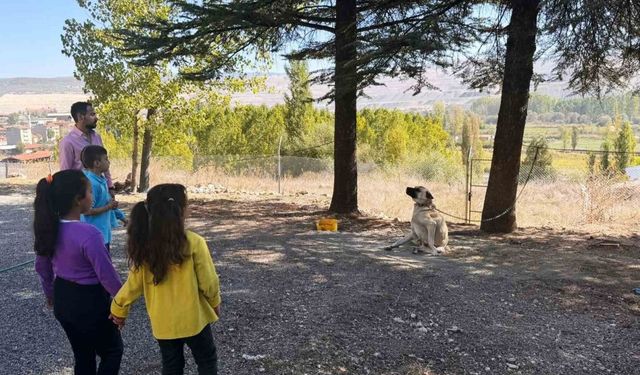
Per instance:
{"type": "Point", "coordinates": [338, 301]}
{"type": "Point", "coordinates": [7, 187]}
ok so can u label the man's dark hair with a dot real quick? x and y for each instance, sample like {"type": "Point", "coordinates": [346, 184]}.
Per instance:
{"type": "Point", "coordinates": [90, 154]}
{"type": "Point", "coordinates": [78, 108]}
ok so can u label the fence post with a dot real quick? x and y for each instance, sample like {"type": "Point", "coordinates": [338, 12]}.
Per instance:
{"type": "Point", "coordinates": [467, 195]}
{"type": "Point", "coordinates": [279, 166]}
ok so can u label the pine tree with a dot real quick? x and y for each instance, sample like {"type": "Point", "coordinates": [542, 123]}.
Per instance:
{"type": "Point", "coordinates": [594, 42]}
{"type": "Point", "coordinates": [365, 39]}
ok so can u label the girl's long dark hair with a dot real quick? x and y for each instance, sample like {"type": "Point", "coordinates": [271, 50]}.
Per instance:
{"type": "Point", "coordinates": [55, 199]}
{"type": "Point", "coordinates": [156, 231]}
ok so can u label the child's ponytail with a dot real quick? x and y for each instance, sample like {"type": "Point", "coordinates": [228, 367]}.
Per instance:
{"type": "Point", "coordinates": [137, 234]}
{"type": "Point", "coordinates": [45, 221]}
{"type": "Point", "coordinates": [156, 230]}
{"type": "Point", "coordinates": [55, 197]}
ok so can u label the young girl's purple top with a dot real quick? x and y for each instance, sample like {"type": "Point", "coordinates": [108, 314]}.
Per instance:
{"type": "Point", "coordinates": [80, 257]}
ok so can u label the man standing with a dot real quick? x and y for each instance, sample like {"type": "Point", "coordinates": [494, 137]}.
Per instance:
{"type": "Point", "coordinates": [82, 135]}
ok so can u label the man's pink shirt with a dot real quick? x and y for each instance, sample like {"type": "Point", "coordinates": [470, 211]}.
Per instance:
{"type": "Point", "coordinates": [71, 146]}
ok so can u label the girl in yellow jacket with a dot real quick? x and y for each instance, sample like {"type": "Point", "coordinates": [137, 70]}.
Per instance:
{"type": "Point", "coordinates": [172, 267]}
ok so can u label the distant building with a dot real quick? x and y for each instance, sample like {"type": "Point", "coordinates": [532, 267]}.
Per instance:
{"type": "Point", "coordinates": [19, 134]}
{"type": "Point", "coordinates": [28, 158]}
{"type": "Point", "coordinates": [64, 128]}
{"type": "Point", "coordinates": [633, 173]}
{"type": "Point", "coordinates": [47, 132]}
{"type": "Point", "coordinates": [6, 149]}
{"type": "Point", "coordinates": [487, 138]}
{"type": "Point", "coordinates": [60, 117]}
{"type": "Point", "coordinates": [34, 148]}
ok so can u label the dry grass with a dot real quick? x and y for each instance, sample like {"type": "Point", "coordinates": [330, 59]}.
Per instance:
{"type": "Point", "coordinates": [560, 204]}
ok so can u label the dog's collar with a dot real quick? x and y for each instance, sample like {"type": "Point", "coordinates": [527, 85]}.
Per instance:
{"type": "Point", "coordinates": [427, 205]}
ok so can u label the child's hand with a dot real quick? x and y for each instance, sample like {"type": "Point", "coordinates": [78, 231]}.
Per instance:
{"type": "Point", "coordinates": [117, 321]}
{"type": "Point", "coordinates": [217, 310]}
{"type": "Point", "coordinates": [113, 204]}
{"type": "Point", "coordinates": [49, 303]}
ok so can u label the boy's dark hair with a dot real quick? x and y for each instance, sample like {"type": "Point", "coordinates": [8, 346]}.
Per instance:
{"type": "Point", "coordinates": [90, 154]}
{"type": "Point", "coordinates": [53, 200]}
{"type": "Point", "coordinates": [156, 234]}
{"type": "Point", "coordinates": [79, 108]}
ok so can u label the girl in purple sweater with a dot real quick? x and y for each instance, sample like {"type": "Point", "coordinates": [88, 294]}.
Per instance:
{"type": "Point", "coordinates": [76, 272]}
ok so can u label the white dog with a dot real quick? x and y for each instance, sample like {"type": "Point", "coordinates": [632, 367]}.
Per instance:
{"type": "Point", "coordinates": [428, 228]}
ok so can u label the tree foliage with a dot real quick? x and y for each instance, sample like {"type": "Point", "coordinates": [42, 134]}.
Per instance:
{"type": "Point", "coordinates": [545, 108]}
{"type": "Point", "coordinates": [594, 43]}
{"type": "Point", "coordinates": [538, 161]}
{"type": "Point", "coordinates": [625, 146]}
{"type": "Point", "coordinates": [298, 102]}
{"type": "Point", "coordinates": [366, 40]}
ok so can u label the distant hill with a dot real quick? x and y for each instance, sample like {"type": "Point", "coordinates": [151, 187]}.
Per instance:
{"type": "Point", "coordinates": [58, 85]}
{"type": "Point", "coordinates": [396, 93]}
{"type": "Point", "coordinates": [18, 94]}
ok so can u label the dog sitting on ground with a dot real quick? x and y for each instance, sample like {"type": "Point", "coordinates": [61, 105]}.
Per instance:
{"type": "Point", "coordinates": [428, 228]}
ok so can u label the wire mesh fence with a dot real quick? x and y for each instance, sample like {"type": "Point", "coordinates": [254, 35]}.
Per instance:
{"type": "Point", "coordinates": [560, 189]}
{"type": "Point", "coordinates": [568, 188]}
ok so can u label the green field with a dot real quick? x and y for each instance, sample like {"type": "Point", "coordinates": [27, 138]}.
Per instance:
{"type": "Point", "coordinates": [590, 138]}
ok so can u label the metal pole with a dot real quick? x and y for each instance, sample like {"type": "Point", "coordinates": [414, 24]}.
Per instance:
{"type": "Point", "coordinates": [279, 166]}
{"type": "Point", "coordinates": [468, 187]}
{"type": "Point", "coordinates": [466, 192]}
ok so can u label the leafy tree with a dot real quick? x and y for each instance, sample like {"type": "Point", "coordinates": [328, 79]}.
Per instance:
{"type": "Point", "coordinates": [19, 148]}
{"type": "Point", "coordinates": [51, 134]}
{"type": "Point", "coordinates": [124, 91]}
{"type": "Point", "coordinates": [366, 39]}
{"type": "Point", "coordinates": [538, 160]}
{"type": "Point", "coordinates": [565, 136]}
{"type": "Point", "coordinates": [574, 137]}
{"type": "Point", "coordinates": [440, 111]}
{"type": "Point", "coordinates": [471, 138]}
{"type": "Point", "coordinates": [594, 42]}
{"type": "Point", "coordinates": [625, 146]}
{"type": "Point", "coordinates": [14, 118]}
{"type": "Point", "coordinates": [298, 101]}
{"type": "Point", "coordinates": [591, 162]}
{"type": "Point", "coordinates": [605, 163]}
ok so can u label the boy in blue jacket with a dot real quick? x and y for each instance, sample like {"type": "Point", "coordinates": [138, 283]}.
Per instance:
{"type": "Point", "coordinates": [104, 213]}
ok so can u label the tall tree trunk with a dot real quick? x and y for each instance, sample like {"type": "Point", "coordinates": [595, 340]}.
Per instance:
{"type": "Point", "coordinates": [345, 182]}
{"type": "Point", "coordinates": [147, 142]}
{"type": "Point", "coordinates": [507, 149]}
{"type": "Point", "coordinates": [134, 154]}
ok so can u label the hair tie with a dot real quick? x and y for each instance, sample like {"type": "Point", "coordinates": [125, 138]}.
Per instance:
{"type": "Point", "coordinates": [170, 199]}
{"type": "Point", "coordinates": [49, 178]}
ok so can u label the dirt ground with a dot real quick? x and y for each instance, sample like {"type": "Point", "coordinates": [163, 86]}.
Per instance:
{"type": "Point", "coordinates": [538, 301]}
{"type": "Point", "coordinates": [298, 301]}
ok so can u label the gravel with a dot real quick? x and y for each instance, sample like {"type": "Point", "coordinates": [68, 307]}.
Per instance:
{"type": "Point", "coordinates": [296, 301]}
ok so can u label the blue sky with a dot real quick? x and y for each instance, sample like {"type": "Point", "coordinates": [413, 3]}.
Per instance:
{"type": "Point", "coordinates": [30, 37]}
{"type": "Point", "coordinates": [30, 43]}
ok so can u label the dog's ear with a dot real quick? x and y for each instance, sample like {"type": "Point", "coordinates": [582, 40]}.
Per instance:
{"type": "Point", "coordinates": [428, 194]}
